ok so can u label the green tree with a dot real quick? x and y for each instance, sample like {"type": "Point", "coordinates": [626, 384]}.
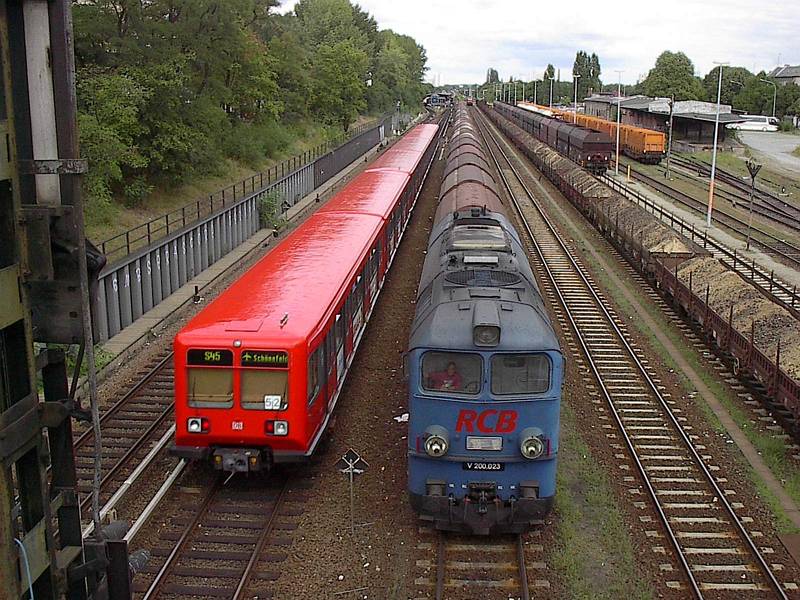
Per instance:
{"type": "Point", "coordinates": [339, 78]}
{"type": "Point", "coordinates": [733, 80]}
{"type": "Point", "coordinates": [110, 124]}
{"type": "Point", "coordinates": [588, 69]}
{"type": "Point", "coordinates": [673, 76]}
{"type": "Point", "coordinates": [169, 88]}
{"type": "Point", "coordinates": [549, 72]}
{"type": "Point", "coordinates": [328, 22]}
{"type": "Point", "coordinates": [492, 76]}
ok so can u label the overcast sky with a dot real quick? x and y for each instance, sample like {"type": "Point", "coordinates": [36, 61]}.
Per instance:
{"type": "Point", "coordinates": [517, 37]}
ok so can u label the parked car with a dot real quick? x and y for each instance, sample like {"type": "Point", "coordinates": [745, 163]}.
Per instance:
{"type": "Point", "coordinates": [756, 123]}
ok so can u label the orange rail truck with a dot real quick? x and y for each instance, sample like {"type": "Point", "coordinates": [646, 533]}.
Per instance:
{"type": "Point", "coordinates": [645, 145]}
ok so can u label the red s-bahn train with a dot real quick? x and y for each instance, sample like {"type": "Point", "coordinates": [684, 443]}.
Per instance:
{"type": "Point", "coordinates": [259, 371]}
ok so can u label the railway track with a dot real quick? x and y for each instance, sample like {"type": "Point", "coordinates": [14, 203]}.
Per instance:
{"type": "Point", "coordinates": [223, 541]}
{"type": "Point", "coordinates": [130, 429]}
{"type": "Point", "coordinates": [737, 192]}
{"type": "Point", "coordinates": [765, 281]}
{"type": "Point", "coordinates": [467, 564]}
{"type": "Point", "coordinates": [741, 188]}
{"type": "Point", "coordinates": [772, 244]}
{"type": "Point", "coordinates": [716, 554]}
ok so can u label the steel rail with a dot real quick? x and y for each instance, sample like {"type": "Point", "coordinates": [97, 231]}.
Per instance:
{"type": "Point", "coordinates": [699, 462]}
{"type": "Point", "coordinates": [523, 570]}
{"type": "Point", "coordinates": [137, 445]}
{"type": "Point", "coordinates": [767, 209]}
{"type": "Point", "coordinates": [114, 408]}
{"type": "Point", "coordinates": [734, 181]}
{"type": "Point", "coordinates": [260, 542]}
{"type": "Point", "coordinates": [160, 577]}
{"type": "Point", "coordinates": [441, 566]}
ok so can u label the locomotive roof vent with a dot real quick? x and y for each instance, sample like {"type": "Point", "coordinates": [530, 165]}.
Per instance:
{"type": "Point", "coordinates": [482, 277]}
{"type": "Point", "coordinates": [485, 324]}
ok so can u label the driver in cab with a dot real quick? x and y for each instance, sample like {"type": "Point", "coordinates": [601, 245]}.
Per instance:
{"type": "Point", "coordinates": [449, 379]}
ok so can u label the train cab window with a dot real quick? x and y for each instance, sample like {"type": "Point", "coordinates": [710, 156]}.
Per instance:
{"type": "Point", "coordinates": [452, 372]}
{"type": "Point", "coordinates": [265, 389]}
{"type": "Point", "coordinates": [210, 388]}
{"type": "Point", "coordinates": [520, 374]}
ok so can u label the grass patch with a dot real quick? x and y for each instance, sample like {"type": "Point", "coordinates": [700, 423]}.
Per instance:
{"type": "Point", "coordinates": [594, 555]}
{"type": "Point", "coordinates": [796, 151]}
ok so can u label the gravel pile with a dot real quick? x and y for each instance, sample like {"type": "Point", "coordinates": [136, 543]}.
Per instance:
{"type": "Point", "coordinates": [770, 321]}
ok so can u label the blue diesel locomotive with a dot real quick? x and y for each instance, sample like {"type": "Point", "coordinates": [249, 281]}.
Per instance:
{"type": "Point", "coordinates": [484, 365]}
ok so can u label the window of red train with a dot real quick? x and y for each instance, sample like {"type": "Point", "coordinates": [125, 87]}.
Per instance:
{"type": "Point", "coordinates": [264, 389]}
{"type": "Point", "coordinates": [313, 375]}
{"type": "Point", "coordinates": [339, 330]}
{"type": "Point", "coordinates": [210, 378]}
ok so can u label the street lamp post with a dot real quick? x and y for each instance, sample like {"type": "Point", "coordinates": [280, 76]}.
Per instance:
{"type": "Point", "coordinates": [551, 92]}
{"type": "Point", "coordinates": [515, 93]}
{"type": "Point", "coordinates": [523, 91]}
{"type": "Point", "coordinates": [774, 94]}
{"type": "Point", "coordinates": [535, 99]}
{"type": "Point", "coordinates": [753, 168]}
{"type": "Point", "coordinates": [714, 153]}
{"type": "Point", "coordinates": [575, 76]}
{"type": "Point", "coordinates": [619, 104]}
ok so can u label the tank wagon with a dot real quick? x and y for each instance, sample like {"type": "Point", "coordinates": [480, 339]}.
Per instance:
{"type": "Point", "coordinates": [590, 149]}
{"type": "Point", "coordinates": [259, 371]}
{"type": "Point", "coordinates": [645, 145]}
{"type": "Point", "coordinates": [484, 366]}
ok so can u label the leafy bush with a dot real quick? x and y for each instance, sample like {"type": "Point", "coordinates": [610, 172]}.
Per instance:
{"type": "Point", "coordinates": [269, 211]}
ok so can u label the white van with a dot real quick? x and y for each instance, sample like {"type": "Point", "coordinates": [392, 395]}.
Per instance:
{"type": "Point", "coordinates": [756, 123]}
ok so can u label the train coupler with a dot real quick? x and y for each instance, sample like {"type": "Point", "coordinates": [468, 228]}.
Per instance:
{"type": "Point", "coordinates": [239, 460]}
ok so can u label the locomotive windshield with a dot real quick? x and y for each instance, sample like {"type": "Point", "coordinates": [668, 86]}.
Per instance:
{"type": "Point", "coordinates": [452, 372]}
{"type": "Point", "coordinates": [520, 374]}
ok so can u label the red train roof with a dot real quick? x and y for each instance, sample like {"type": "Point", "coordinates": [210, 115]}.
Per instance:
{"type": "Point", "coordinates": [373, 192]}
{"type": "Point", "coordinates": [407, 152]}
{"type": "Point", "coordinates": [302, 277]}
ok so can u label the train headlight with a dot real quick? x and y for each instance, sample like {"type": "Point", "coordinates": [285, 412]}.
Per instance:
{"type": "Point", "coordinates": [532, 445]}
{"type": "Point", "coordinates": [436, 441]}
{"type": "Point", "coordinates": [436, 446]}
{"type": "Point", "coordinates": [198, 425]}
{"type": "Point", "coordinates": [486, 335]}
{"type": "Point", "coordinates": [276, 427]}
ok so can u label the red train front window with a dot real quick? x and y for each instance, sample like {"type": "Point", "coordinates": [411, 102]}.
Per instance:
{"type": "Point", "coordinates": [210, 378]}
{"type": "Point", "coordinates": [264, 380]}
{"type": "Point", "coordinates": [265, 389]}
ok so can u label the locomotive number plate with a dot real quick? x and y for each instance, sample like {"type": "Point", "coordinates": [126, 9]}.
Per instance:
{"type": "Point", "coordinates": [483, 466]}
